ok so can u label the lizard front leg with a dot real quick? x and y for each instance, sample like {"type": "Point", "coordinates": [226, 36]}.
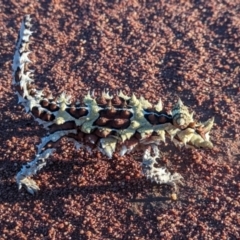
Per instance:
{"type": "Point", "coordinates": [160, 175]}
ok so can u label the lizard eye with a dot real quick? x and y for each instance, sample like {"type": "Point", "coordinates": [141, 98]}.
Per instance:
{"type": "Point", "coordinates": [181, 116]}
{"type": "Point", "coordinates": [181, 120]}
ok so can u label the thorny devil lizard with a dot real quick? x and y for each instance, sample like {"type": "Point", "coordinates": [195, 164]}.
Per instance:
{"type": "Point", "coordinates": [106, 123]}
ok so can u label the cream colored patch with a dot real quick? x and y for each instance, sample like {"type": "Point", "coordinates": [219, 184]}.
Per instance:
{"type": "Point", "coordinates": [108, 145]}
{"type": "Point", "coordinates": [186, 135]}
{"type": "Point", "coordinates": [93, 115]}
{"type": "Point", "coordinates": [161, 134]}
{"type": "Point", "coordinates": [198, 141]}
{"type": "Point", "coordinates": [122, 95]}
{"type": "Point", "coordinates": [159, 106]}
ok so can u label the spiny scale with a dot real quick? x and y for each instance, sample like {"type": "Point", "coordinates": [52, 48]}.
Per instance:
{"type": "Point", "coordinates": [107, 123]}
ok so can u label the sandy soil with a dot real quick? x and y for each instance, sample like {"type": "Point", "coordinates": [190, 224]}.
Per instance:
{"type": "Point", "coordinates": [180, 48]}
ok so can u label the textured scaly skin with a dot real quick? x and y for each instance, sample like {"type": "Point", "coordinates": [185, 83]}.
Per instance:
{"type": "Point", "coordinates": [106, 123]}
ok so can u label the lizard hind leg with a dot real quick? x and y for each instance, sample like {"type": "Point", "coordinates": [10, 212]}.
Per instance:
{"type": "Point", "coordinates": [30, 169]}
{"type": "Point", "coordinates": [160, 175]}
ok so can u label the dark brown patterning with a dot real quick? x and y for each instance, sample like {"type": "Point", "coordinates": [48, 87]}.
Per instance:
{"type": "Point", "coordinates": [106, 123]}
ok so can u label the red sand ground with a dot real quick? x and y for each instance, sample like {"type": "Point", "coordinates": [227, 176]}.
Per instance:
{"type": "Point", "coordinates": [173, 48]}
